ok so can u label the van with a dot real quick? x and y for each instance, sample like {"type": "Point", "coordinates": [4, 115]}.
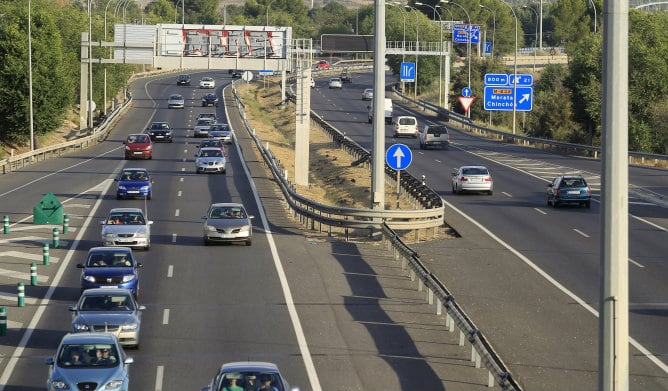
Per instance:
{"type": "Point", "coordinates": [405, 125]}
{"type": "Point", "coordinates": [388, 111]}
{"type": "Point", "coordinates": [434, 136]}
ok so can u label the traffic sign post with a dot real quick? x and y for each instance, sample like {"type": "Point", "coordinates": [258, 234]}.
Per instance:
{"type": "Point", "coordinates": [398, 157]}
{"type": "Point", "coordinates": [407, 73]}
{"type": "Point", "coordinates": [508, 92]}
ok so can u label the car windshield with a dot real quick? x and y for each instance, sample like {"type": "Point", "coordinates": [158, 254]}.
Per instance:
{"type": "Point", "coordinates": [140, 139]}
{"type": "Point", "coordinates": [109, 259]}
{"type": "Point", "coordinates": [211, 143]}
{"type": "Point", "coordinates": [227, 213]}
{"type": "Point", "coordinates": [134, 176]}
{"type": "Point", "coordinates": [204, 122]}
{"type": "Point", "coordinates": [176, 97]}
{"type": "Point", "coordinates": [75, 356]}
{"type": "Point", "coordinates": [211, 153]}
{"type": "Point", "coordinates": [106, 303]}
{"type": "Point", "coordinates": [250, 380]}
{"type": "Point", "coordinates": [159, 125]}
{"type": "Point", "coordinates": [219, 127]}
{"type": "Point", "coordinates": [437, 130]}
{"type": "Point", "coordinates": [406, 121]}
{"type": "Point", "coordinates": [131, 218]}
{"type": "Point", "coordinates": [475, 171]}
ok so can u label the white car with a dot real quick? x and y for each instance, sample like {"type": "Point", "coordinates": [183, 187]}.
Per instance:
{"type": "Point", "coordinates": [335, 82]}
{"type": "Point", "coordinates": [367, 94]}
{"type": "Point", "coordinates": [207, 82]}
{"type": "Point", "coordinates": [405, 125]}
{"type": "Point", "coordinates": [312, 83]}
{"type": "Point", "coordinates": [201, 129]}
{"type": "Point", "coordinates": [126, 227]}
{"type": "Point", "coordinates": [472, 178]}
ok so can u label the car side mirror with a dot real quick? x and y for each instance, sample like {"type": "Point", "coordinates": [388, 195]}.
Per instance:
{"type": "Point", "coordinates": [141, 308]}
{"type": "Point", "coordinates": [80, 266]}
{"type": "Point", "coordinates": [250, 217]}
{"type": "Point", "coordinates": [72, 308]}
{"type": "Point", "coordinates": [102, 222]}
{"type": "Point", "coordinates": [152, 180]}
{"type": "Point", "coordinates": [549, 185]}
{"type": "Point", "coordinates": [139, 264]}
{"type": "Point", "coordinates": [48, 360]}
{"type": "Point", "coordinates": [115, 179]}
{"type": "Point", "coordinates": [149, 222]}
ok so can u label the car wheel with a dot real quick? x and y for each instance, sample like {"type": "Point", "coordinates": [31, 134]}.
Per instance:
{"type": "Point", "coordinates": [206, 241]}
{"type": "Point", "coordinates": [555, 203]}
{"type": "Point", "coordinates": [148, 197]}
{"type": "Point", "coordinates": [118, 196]}
{"type": "Point", "coordinates": [548, 201]}
{"type": "Point", "coordinates": [587, 204]}
{"type": "Point", "coordinates": [490, 192]}
{"type": "Point", "coordinates": [454, 189]}
{"type": "Point", "coordinates": [248, 242]}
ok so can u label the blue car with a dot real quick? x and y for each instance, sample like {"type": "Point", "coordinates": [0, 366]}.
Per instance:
{"type": "Point", "coordinates": [568, 189]}
{"type": "Point", "coordinates": [134, 182]}
{"type": "Point", "coordinates": [110, 267]}
{"type": "Point", "coordinates": [89, 361]}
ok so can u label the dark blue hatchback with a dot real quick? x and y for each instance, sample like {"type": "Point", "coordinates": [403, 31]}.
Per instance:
{"type": "Point", "coordinates": [134, 182]}
{"type": "Point", "coordinates": [110, 267]}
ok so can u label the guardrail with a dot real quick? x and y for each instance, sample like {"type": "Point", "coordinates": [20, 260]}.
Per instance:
{"type": "Point", "coordinates": [482, 351]}
{"type": "Point", "coordinates": [310, 212]}
{"type": "Point", "coordinates": [442, 113]}
{"type": "Point", "coordinates": [97, 135]}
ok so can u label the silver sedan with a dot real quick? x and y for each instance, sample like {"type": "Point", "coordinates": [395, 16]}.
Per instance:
{"type": "Point", "coordinates": [210, 159]}
{"type": "Point", "coordinates": [472, 178]}
{"type": "Point", "coordinates": [227, 222]}
{"type": "Point", "coordinates": [176, 101]}
{"type": "Point", "coordinates": [110, 310]}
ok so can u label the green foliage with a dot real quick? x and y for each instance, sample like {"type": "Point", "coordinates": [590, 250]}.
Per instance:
{"type": "Point", "coordinates": [550, 118]}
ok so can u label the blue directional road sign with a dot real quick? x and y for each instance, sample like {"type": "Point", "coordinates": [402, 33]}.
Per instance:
{"type": "Point", "coordinates": [463, 32]}
{"type": "Point", "coordinates": [488, 47]}
{"type": "Point", "coordinates": [407, 72]}
{"type": "Point", "coordinates": [499, 98]}
{"type": "Point", "coordinates": [398, 157]}
{"type": "Point", "coordinates": [466, 91]}
{"type": "Point", "coordinates": [474, 32]}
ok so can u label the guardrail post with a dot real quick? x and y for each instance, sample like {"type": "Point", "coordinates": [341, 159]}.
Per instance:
{"type": "Point", "coordinates": [21, 294]}
{"type": "Point", "coordinates": [66, 223]}
{"type": "Point", "coordinates": [45, 254]}
{"type": "Point", "coordinates": [6, 224]}
{"type": "Point", "coordinates": [462, 338]}
{"type": "Point", "coordinates": [56, 238]}
{"type": "Point", "coordinates": [3, 321]}
{"type": "Point", "coordinates": [33, 274]}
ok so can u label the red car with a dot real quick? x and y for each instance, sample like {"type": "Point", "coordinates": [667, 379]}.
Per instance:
{"type": "Point", "coordinates": [322, 64]}
{"type": "Point", "coordinates": [138, 146]}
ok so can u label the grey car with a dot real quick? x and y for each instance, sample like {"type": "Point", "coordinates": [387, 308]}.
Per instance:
{"type": "Point", "coordinates": [222, 132]}
{"type": "Point", "coordinates": [201, 129]}
{"type": "Point", "coordinates": [93, 360]}
{"type": "Point", "coordinates": [227, 222]}
{"type": "Point", "coordinates": [176, 101]}
{"type": "Point", "coordinates": [126, 227]}
{"type": "Point", "coordinates": [109, 310]}
{"type": "Point", "coordinates": [249, 375]}
{"type": "Point", "coordinates": [210, 160]}
{"type": "Point", "coordinates": [472, 178]}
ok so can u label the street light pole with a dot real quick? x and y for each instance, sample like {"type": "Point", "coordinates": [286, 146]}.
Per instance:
{"type": "Point", "coordinates": [417, 49]}
{"type": "Point", "coordinates": [32, 128]}
{"type": "Point", "coordinates": [90, 67]}
{"type": "Point", "coordinates": [468, 44]}
{"type": "Point", "coordinates": [440, 64]}
{"type": "Point", "coordinates": [515, 69]}
{"type": "Point", "coordinates": [491, 54]}
{"type": "Point", "coordinates": [594, 7]}
{"type": "Point", "coordinates": [534, 44]}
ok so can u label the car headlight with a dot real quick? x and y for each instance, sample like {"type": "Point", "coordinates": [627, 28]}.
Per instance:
{"type": "Point", "coordinates": [149, 147]}
{"type": "Point", "coordinates": [121, 187]}
{"type": "Point", "coordinates": [113, 384]}
{"type": "Point", "coordinates": [130, 327]}
{"type": "Point", "coordinates": [80, 327]}
{"type": "Point", "coordinates": [60, 385]}
{"type": "Point", "coordinates": [129, 277]}
{"type": "Point", "coordinates": [144, 188]}
{"type": "Point", "coordinates": [127, 147]}
{"type": "Point", "coordinates": [109, 235]}
{"type": "Point", "coordinates": [89, 279]}
{"type": "Point", "coordinates": [140, 235]}
{"type": "Point", "coordinates": [209, 228]}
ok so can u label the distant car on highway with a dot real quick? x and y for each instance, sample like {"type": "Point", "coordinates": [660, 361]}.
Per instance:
{"type": "Point", "coordinates": [207, 82]}
{"type": "Point", "coordinates": [160, 131]}
{"type": "Point", "coordinates": [322, 64]}
{"type": "Point", "coordinates": [138, 146]}
{"type": "Point", "coordinates": [228, 222]}
{"type": "Point", "coordinates": [472, 178]}
{"type": "Point", "coordinates": [110, 267]}
{"type": "Point", "coordinates": [176, 101]}
{"type": "Point", "coordinates": [568, 189]}
{"type": "Point", "coordinates": [76, 366]}
{"type": "Point", "coordinates": [110, 310]}
{"type": "Point", "coordinates": [434, 136]}
{"type": "Point", "coordinates": [335, 82]}
{"type": "Point", "coordinates": [183, 80]}
{"type": "Point", "coordinates": [236, 73]}
{"type": "Point", "coordinates": [213, 142]}
{"type": "Point", "coordinates": [126, 227]}
{"type": "Point", "coordinates": [367, 94]}
{"type": "Point", "coordinates": [134, 182]}
{"type": "Point", "coordinates": [249, 375]}
{"type": "Point", "coordinates": [202, 126]}
{"type": "Point", "coordinates": [222, 132]}
{"type": "Point", "coordinates": [405, 125]}
{"type": "Point", "coordinates": [346, 77]}
{"type": "Point", "coordinates": [210, 100]}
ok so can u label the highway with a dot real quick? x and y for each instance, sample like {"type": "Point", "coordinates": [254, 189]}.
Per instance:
{"type": "Point", "coordinates": [559, 246]}
{"type": "Point", "coordinates": [332, 315]}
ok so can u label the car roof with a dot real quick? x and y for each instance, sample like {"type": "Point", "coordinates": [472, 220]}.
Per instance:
{"type": "Point", "coordinates": [135, 169]}
{"type": "Point", "coordinates": [89, 338]}
{"type": "Point", "coordinates": [176, 96]}
{"type": "Point", "coordinates": [226, 204]}
{"type": "Point", "coordinates": [254, 366]}
{"type": "Point", "coordinates": [126, 210]}
{"type": "Point", "coordinates": [106, 291]}
{"type": "Point", "coordinates": [101, 249]}
{"type": "Point", "coordinates": [473, 167]}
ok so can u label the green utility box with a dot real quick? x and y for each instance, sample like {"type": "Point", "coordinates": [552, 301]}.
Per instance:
{"type": "Point", "coordinates": [48, 210]}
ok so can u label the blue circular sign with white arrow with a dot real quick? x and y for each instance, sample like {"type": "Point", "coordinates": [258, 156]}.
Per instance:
{"type": "Point", "coordinates": [398, 157]}
{"type": "Point", "coordinates": [466, 92]}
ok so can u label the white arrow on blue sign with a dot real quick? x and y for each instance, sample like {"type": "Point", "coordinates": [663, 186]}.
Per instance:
{"type": "Point", "coordinates": [398, 156]}
{"type": "Point", "coordinates": [407, 72]}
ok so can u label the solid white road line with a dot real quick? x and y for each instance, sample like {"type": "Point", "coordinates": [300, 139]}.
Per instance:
{"type": "Point", "coordinates": [158, 377]}
{"type": "Point", "coordinates": [165, 316]}
{"type": "Point", "coordinates": [580, 232]}
{"type": "Point", "coordinates": [170, 271]}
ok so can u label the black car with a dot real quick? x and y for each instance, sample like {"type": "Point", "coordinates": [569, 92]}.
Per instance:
{"type": "Point", "coordinates": [346, 77]}
{"type": "Point", "coordinates": [210, 100]}
{"type": "Point", "coordinates": [160, 131]}
{"type": "Point", "coordinates": [236, 74]}
{"type": "Point", "coordinates": [183, 80]}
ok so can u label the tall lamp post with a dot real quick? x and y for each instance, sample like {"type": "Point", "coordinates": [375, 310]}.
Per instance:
{"type": "Point", "coordinates": [515, 69]}
{"type": "Point", "coordinates": [594, 7]}
{"type": "Point", "coordinates": [403, 43]}
{"type": "Point", "coordinates": [440, 42]}
{"type": "Point", "coordinates": [534, 44]}
{"type": "Point", "coordinates": [90, 67]}
{"type": "Point", "coordinates": [266, 38]}
{"type": "Point", "coordinates": [32, 128]}
{"type": "Point", "coordinates": [417, 48]}
{"type": "Point", "coordinates": [468, 43]}
{"type": "Point", "coordinates": [491, 54]}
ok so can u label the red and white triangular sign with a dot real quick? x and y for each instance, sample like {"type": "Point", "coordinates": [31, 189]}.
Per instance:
{"type": "Point", "coordinates": [466, 102]}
